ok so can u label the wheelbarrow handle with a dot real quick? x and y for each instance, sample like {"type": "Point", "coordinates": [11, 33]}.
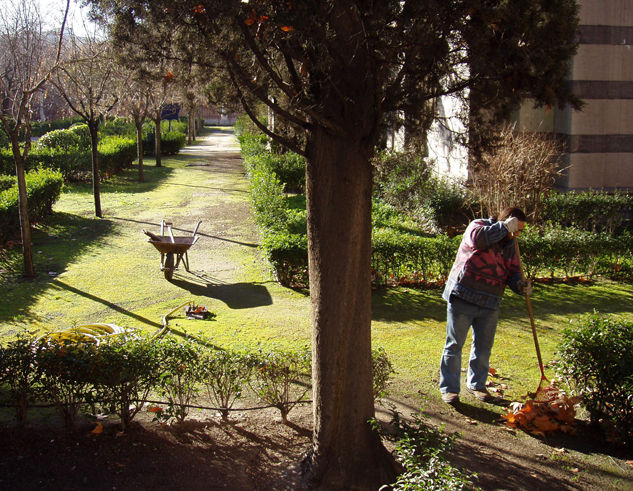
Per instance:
{"type": "Point", "coordinates": [195, 230]}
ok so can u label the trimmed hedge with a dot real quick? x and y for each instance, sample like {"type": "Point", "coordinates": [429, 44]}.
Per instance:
{"type": "Point", "coordinates": [121, 373]}
{"type": "Point", "coordinates": [43, 189]}
{"type": "Point", "coordinates": [77, 136]}
{"type": "Point", "coordinates": [75, 164]}
{"type": "Point", "coordinates": [595, 211]}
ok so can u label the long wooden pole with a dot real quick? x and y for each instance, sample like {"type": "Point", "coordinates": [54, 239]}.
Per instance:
{"type": "Point", "coordinates": [530, 311]}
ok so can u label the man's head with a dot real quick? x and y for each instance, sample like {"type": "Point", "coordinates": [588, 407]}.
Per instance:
{"type": "Point", "coordinates": [517, 213]}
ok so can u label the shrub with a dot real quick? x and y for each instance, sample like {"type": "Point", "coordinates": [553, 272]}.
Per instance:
{"type": "Point", "coordinates": [406, 181]}
{"type": "Point", "coordinates": [115, 154]}
{"type": "Point", "coordinates": [18, 372]}
{"type": "Point", "coordinates": [125, 372]}
{"type": "Point", "coordinates": [595, 357]}
{"type": "Point", "coordinates": [288, 256]}
{"type": "Point", "coordinates": [181, 370]}
{"type": "Point", "coordinates": [225, 373]}
{"type": "Point", "coordinates": [267, 198]}
{"type": "Point", "coordinates": [290, 168]}
{"type": "Point", "coordinates": [77, 136]}
{"type": "Point", "coordinates": [43, 188]}
{"type": "Point", "coordinates": [423, 452]}
{"type": "Point", "coordinates": [382, 369]}
{"type": "Point", "coordinates": [594, 211]}
{"type": "Point", "coordinates": [65, 374]}
{"type": "Point", "coordinates": [171, 142]}
{"type": "Point", "coordinates": [519, 171]}
{"type": "Point", "coordinates": [278, 378]}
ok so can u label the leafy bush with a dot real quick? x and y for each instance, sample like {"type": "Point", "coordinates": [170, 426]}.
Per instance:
{"type": "Point", "coordinates": [77, 136]}
{"type": "Point", "coordinates": [267, 198]}
{"type": "Point", "coordinates": [39, 128]}
{"type": "Point", "coordinates": [18, 372]}
{"type": "Point", "coordinates": [290, 168]}
{"type": "Point", "coordinates": [594, 211]}
{"type": "Point", "coordinates": [43, 188]}
{"type": "Point", "coordinates": [422, 450]}
{"type": "Point", "coordinates": [405, 180]}
{"type": "Point", "coordinates": [75, 164]}
{"type": "Point", "coordinates": [125, 372]}
{"type": "Point", "coordinates": [288, 256]}
{"type": "Point", "coordinates": [181, 368]}
{"type": "Point", "coordinates": [278, 378]}
{"type": "Point", "coordinates": [595, 357]}
{"type": "Point", "coordinates": [171, 142]}
{"type": "Point", "coordinates": [7, 182]}
{"type": "Point", "coordinates": [65, 374]}
{"type": "Point", "coordinates": [382, 369]}
{"type": "Point", "coordinates": [225, 373]}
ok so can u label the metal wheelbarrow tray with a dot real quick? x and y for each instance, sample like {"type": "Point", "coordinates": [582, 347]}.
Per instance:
{"type": "Point", "coordinates": [173, 249]}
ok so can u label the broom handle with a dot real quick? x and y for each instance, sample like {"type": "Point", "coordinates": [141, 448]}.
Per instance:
{"type": "Point", "coordinates": [529, 307]}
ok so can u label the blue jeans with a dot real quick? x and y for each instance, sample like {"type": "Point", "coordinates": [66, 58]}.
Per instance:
{"type": "Point", "coordinates": [461, 315]}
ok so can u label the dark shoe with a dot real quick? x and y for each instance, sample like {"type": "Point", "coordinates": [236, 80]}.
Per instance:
{"type": "Point", "coordinates": [482, 394]}
{"type": "Point", "coordinates": [450, 398]}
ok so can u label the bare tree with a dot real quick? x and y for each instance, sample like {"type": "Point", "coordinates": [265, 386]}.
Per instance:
{"type": "Point", "coordinates": [519, 171]}
{"type": "Point", "coordinates": [135, 102]}
{"type": "Point", "coordinates": [26, 65]}
{"type": "Point", "coordinates": [88, 81]}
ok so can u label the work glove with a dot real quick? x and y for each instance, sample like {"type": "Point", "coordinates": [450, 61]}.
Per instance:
{"type": "Point", "coordinates": [512, 225]}
{"type": "Point", "coordinates": [524, 287]}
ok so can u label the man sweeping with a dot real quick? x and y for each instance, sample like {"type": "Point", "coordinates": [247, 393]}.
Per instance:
{"type": "Point", "coordinates": [486, 262]}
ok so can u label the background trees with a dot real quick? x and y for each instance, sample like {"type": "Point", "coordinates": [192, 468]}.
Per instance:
{"type": "Point", "coordinates": [88, 81]}
{"type": "Point", "coordinates": [336, 70]}
{"type": "Point", "coordinates": [27, 60]}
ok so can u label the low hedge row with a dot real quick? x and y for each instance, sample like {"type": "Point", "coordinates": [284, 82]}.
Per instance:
{"type": "Point", "coordinates": [123, 373]}
{"type": "Point", "coordinates": [75, 163]}
{"type": "Point", "coordinates": [593, 211]}
{"type": "Point", "coordinates": [43, 188]}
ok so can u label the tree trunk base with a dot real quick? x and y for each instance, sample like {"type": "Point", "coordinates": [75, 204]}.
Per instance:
{"type": "Point", "coordinates": [380, 470]}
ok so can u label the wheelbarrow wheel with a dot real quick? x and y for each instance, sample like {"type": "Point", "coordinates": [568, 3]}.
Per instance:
{"type": "Point", "coordinates": [168, 268]}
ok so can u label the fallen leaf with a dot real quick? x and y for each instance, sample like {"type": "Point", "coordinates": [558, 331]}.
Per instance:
{"type": "Point", "coordinates": [575, 470]}
{"type": "Point", "coordinates": [492, 372]}
{"type": "Point", "coordinates": [98, 429]}
{"type": "Point", "coordinates": [471, 421]}
{"type": "Point", "coordinates": [629, 463]}
{"type": "Point", "coordinates": [154, 409]}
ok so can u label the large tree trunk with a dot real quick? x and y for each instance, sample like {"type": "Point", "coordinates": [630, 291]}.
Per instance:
{"type": "Point", "coordinates": [23, 209]}
{"type": "Point", "coordinates": [93, 126]}
{"type": "Point", "coordinates": [346, 453]}
{"type": "Point", "coordinates": [157, 139]}
{"type": "Point", "coordinates": [139, 148]}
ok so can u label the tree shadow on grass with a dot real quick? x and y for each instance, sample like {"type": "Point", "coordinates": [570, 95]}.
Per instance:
{"type": "Point", "coordinates": [404, 304]}
{"type": "Point", "coordinates": [234, 295]}
{"type": "Point", "coordinates": [56, 244]}
{"type": "Point", "coordinates": [64, 286]}
{"type": "Point", "coordinates": [126, 181]}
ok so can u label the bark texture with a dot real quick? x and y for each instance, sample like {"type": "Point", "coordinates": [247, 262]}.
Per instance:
{"type": "Point", "coordinates": [346, 453]}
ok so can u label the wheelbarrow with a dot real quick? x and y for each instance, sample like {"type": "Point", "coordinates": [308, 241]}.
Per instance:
{"type": "Point", "coordinates": [173, 249]}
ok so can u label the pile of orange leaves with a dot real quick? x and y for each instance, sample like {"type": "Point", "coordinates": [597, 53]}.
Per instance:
{"type": "Point", "coordinates": [549, 410]}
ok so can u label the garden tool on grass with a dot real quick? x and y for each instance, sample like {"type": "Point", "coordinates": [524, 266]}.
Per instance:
{"type": "Point", "coordinates": [541, 386]}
